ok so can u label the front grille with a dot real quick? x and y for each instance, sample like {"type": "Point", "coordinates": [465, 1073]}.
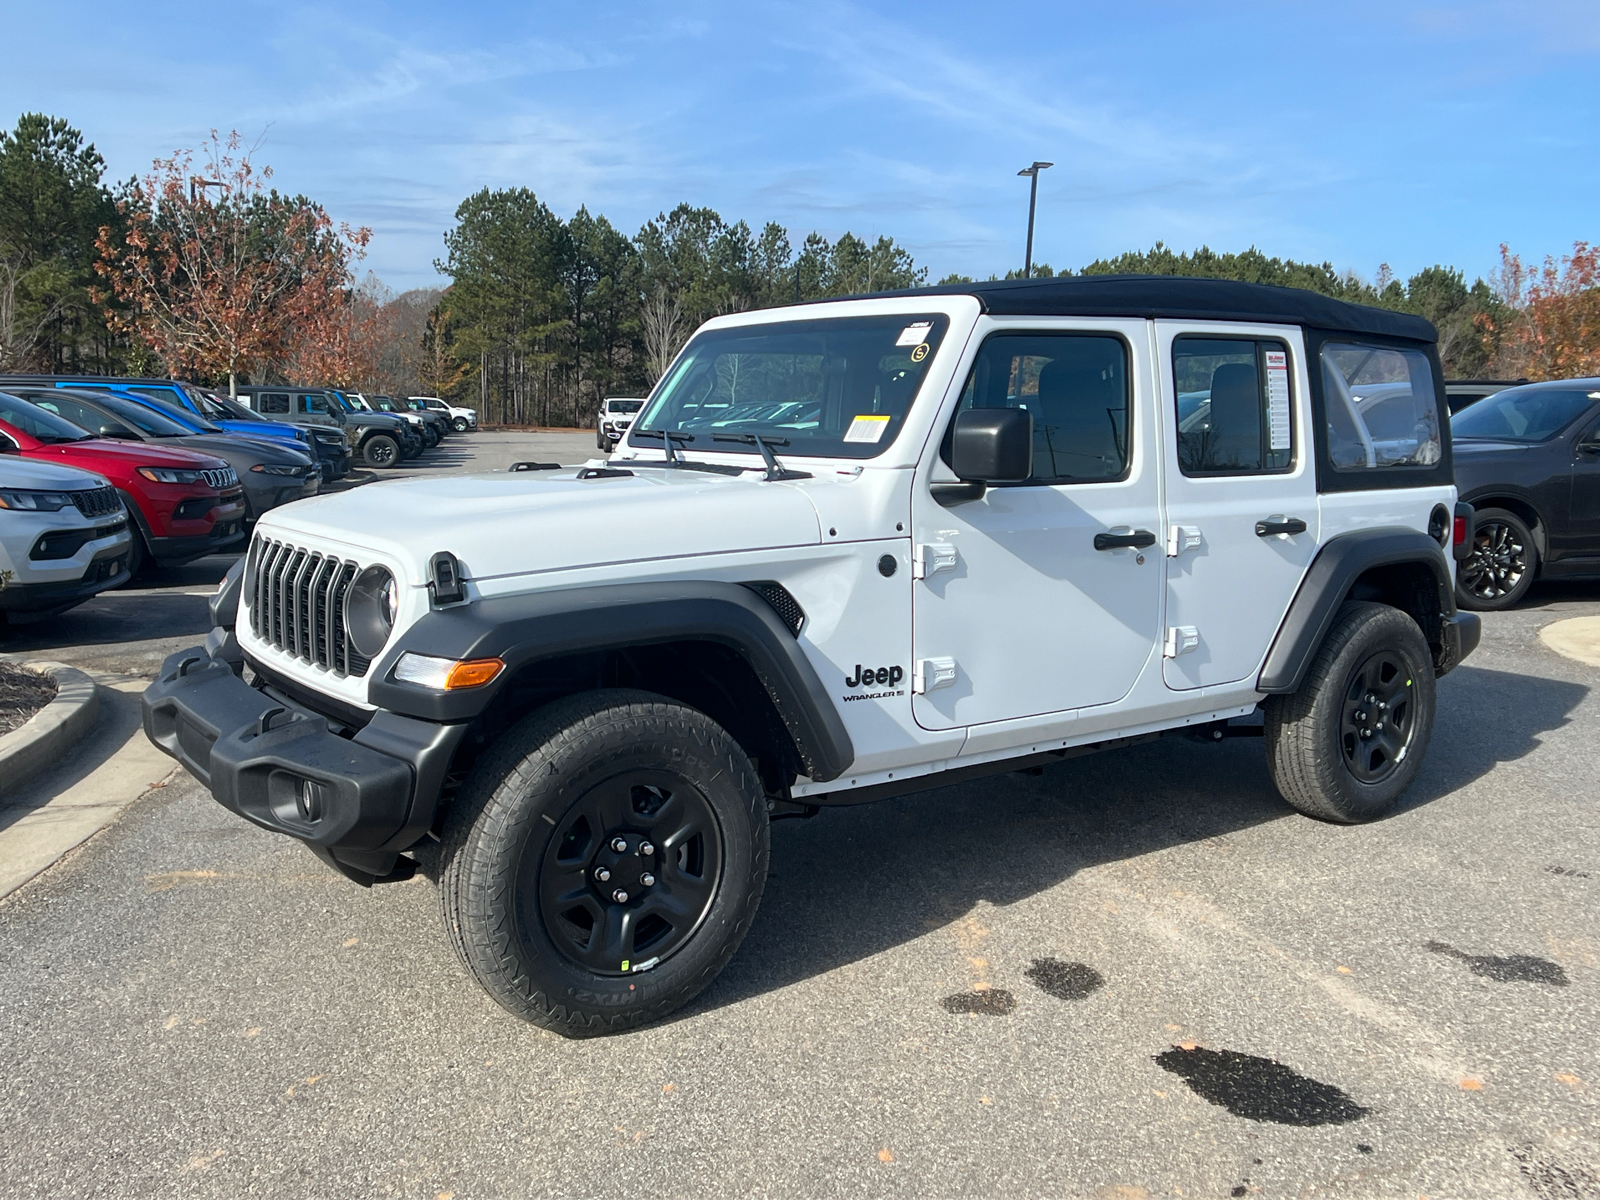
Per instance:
{"type": "Point", "coordinates": [225, 478]}
{"type": "Point", "coordinates": [98, 502]}
{"type": "Point", "coordinates": [297, 604]}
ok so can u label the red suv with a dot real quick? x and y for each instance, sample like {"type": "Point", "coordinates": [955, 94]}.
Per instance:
{"type": "Point", "coordinates": [183, 504]}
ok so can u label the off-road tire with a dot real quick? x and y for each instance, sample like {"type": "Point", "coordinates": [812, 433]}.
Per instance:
{"type": "Point", "coordinates": [1306, 730]}
{"type": "Point", "coordinates": [380, 452]}
{"type": "Point", "coordinates": [601, 442]}
{"type": "Point", "coordinates": [1502, 543]}
{"type": "Point", "coordinates": [514, 804]}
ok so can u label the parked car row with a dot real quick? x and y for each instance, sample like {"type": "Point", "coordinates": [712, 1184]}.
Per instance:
{"type": "Point", "coordinates": [382, 431]}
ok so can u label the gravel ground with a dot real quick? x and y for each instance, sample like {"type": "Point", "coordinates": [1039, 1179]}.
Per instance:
{"type": "Point", "coordinates": [22, 693]}
{"type": "Point", "coordinates": [1138, 974]}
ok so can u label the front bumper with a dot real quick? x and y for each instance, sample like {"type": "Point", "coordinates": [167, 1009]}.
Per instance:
{"type": "Point", "coordinates": [356, 797]}
{"type": "Point", "coordinates": [107, 569]}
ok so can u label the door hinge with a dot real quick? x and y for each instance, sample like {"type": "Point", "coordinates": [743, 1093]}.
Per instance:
{"type": "Point", "coordinates": [1181, 639]}
{"type": "Point", "coordinates": [932, 558]}
{"type": "Point", "coordinates": [1181, 538]}
{"type": "Point", "coordinates": [931, 674]}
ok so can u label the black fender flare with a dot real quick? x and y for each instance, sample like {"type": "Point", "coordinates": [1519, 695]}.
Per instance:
{"type": "Point", "coordinates": [1340, 562]}
{"type": "Point", "coordinates": [525, 629]}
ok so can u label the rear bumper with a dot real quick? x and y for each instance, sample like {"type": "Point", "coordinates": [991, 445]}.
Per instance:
{"type": "Point", "coordinates": [1460, 638]}
{"type": "Point", "coordinates": [356, 798]}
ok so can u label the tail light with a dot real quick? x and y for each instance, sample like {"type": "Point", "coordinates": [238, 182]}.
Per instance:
{"type": "Point", "coordinates": [1462, 531]}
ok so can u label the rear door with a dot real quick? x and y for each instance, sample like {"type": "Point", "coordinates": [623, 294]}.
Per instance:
{"type": "Point", "coordinates": [1241, 494]}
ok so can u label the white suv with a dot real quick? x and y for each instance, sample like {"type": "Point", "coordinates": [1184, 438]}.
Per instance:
{"type": "Point", "coordinates": [461, 419]}
{"type": "Point", "coordinates": [63, 538]}
{"type": "Point", "coordinates": [847, 550]}
{"type": "Point", "coordinates": [611, 423]}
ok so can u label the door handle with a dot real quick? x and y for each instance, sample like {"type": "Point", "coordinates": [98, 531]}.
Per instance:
{"type": "Point", "coordinates": [1276, 524]}
{"type": "Point", "coordinates": [1139, 539]}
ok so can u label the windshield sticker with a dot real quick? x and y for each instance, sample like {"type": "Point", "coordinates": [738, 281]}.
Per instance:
{"type": "Point", "coordinates": [912, 334]}
{"type": "Point", "coordinates": [867, 428]}
{"type": "Point", "coordinates": [920, 353]}
{"type": "Point", "coordinates": [1278, 399]}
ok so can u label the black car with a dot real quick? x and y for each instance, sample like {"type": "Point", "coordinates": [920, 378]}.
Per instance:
{"type": "Point", "coordinates": [1528, 459]}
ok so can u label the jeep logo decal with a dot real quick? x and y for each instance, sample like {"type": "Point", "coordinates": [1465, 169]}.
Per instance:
{"type": "Point", "coordinates": [870, 676]}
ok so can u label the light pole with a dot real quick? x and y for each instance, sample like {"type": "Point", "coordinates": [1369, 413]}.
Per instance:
{"type": "Point", "coordinates": [195, 183]}
{"type": "Point", "coordinates": [1033, 198]}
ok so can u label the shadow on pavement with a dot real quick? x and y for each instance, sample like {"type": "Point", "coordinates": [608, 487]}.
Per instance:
{"type": "Point", "coordinates": [854, 882]}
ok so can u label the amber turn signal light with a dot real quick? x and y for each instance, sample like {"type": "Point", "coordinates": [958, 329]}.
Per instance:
{"type": "Point", "coordinates": [475, 672]}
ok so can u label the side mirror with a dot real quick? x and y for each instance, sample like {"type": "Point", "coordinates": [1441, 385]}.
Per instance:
{"type": "Point", "coordinates": [992, 445]}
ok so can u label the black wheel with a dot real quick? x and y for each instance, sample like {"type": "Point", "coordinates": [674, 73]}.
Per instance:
{"type": "Point", "coordinates": [601, 442]}
{"type": "Point", "coordinates": [430, 437]}
{"type": "Point", "coordinates": [1345, 745]}
{"type": "Point", "coordinates": [604, 861]}
{"type": "Point", "coordinates": [459, 424]}
{"type": "Point", "coordinates": [380, 451]}
{"type": "Point", "coordinates": [1503, 563]}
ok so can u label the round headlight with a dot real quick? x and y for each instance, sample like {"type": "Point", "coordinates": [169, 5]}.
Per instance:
{"type": "Point", "coordinates": [369, 610]}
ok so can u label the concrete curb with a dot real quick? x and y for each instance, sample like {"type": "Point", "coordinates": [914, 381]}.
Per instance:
{"type": "Point", "coordinates": [52, 730]}
{"type": "Point", "coordinates": [1576, 637]}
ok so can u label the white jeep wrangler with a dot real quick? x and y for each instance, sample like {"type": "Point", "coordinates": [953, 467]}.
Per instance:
{"type": "Point", "coordinates": [847, 550]}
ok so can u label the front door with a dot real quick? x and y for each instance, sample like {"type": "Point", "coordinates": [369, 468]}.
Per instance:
{"type": "Point", "coordinates": [1045, 596]}
{"type": "Point", "coordinates": [1585, 510]}
{"type": "Point", "coordinates": [1242, 510]}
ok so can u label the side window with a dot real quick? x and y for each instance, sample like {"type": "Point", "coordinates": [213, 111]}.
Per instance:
{"type": "Point", "coordinates": [313, 402]}
{"type": "Point", "coordinates": [273, 402]}
{"type": "Point", "coordinates": [1381, 407]}
{"type": "Point", "coordinates": [1076, 387]}
{"type": "Point", "coordinates": [1234, 411]}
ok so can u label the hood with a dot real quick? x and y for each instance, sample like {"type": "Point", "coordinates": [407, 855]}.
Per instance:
{"type": "Point", "coordinates": [17, 472]}
{"type": "Point", "coordinates": [246, 448]}
{"type": "Point", "coordinates": [534, 521]}
{"type": "Point", "coordinates": [131, 455]}
{"type": "Point", "coordinates": [377, 420]}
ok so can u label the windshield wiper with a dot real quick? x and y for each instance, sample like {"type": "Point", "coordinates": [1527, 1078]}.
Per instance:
{"type": "Point", "coordinates": [674, 459]}
{"type": "Point", "coordinates": [775, 470]}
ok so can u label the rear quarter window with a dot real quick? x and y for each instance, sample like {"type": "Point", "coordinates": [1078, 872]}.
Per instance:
{"type": "Point", "coordinates": [1380, 407]}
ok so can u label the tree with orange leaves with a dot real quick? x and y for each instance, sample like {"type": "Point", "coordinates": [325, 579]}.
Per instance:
{"type": "Point", "coordinates": [1553, 327]}
{"type": "Point", "coordinates": [224, 284]}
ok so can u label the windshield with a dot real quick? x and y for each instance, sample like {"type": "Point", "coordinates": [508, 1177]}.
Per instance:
{"type": "Point", "coordinates": [37, 423]}
{"type": "Point", "coordinates": [624, 406]}
{"type": "Point", "coordinates": [1523, 414]}
{"type": "Point", "coordinates": [225, 408]}
{"type": "Point", "coordinates": [837, 388]}
{"type": "Point", "coordinates": [148, 420]}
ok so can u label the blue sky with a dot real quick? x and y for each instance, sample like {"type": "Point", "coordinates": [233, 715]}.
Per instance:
{"type": "Point", "coordinates": [1358, 133]}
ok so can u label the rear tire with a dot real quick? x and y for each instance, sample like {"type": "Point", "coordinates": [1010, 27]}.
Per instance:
{"type": "Point", "coordinates": [381, 452]}
{"type": "Point", "coordinates": [1502, 566]}
{"type": "Point", "coordinates": [531, 869]}
{"type": "Point", "coordinates": [1349, 742]}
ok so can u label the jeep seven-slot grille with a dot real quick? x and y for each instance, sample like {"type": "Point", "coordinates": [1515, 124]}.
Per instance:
{"type": "Point", "coordinates": [297, 605]}
{"type": "Point", "coordinates": [97, 502]}
{"type": "Point", "coordinates": [223, 479]}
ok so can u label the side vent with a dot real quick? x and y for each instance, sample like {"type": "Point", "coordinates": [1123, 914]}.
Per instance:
{"type": "Point", "coordinates": [785, 605]}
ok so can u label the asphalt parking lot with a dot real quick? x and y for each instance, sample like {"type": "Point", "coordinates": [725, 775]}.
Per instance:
{"type": "Point", "coordinates": [1139, 974]}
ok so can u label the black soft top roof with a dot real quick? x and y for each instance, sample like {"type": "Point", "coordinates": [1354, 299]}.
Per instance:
{"type": "Point", "coordinates": [1181, 297]}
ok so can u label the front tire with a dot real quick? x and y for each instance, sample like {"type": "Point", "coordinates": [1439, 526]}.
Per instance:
{"type": "Point", "coordinates": [1503, 563]}
{"type": "Point", "coordinates": [380, 452]}
{"type": "Point", "coordinates": [1345, 745]}
{"type": "Point", "coordinates": [604, 861]}
{"type": "Point", "coordinates": [459, 424]}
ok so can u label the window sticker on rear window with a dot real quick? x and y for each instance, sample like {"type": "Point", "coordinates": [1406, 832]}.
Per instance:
{"type": "Point", "coordinates": [913, 335]}
{"type": "Point", "coordinates": [866, 428]}
{"type": "Point", "coordinates": [1278, 399]}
